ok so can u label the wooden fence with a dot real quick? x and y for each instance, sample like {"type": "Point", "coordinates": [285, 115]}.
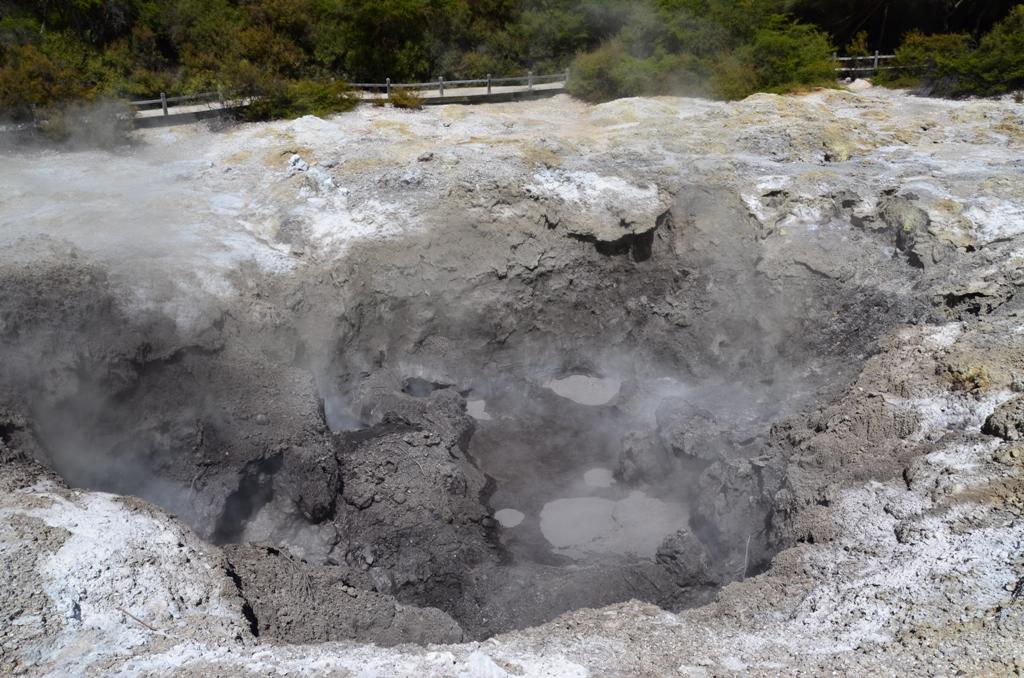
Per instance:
{"type": "Point", "coordinates": [529, 81]}
{"type": "Point", "coordinates": [435, 91]}
{"type": "Point", "coordinates": [864, 64]}
{"type": "Point", "coordinates": [165, 102]}
{"type": "Point", "coordinates": [443, 91]}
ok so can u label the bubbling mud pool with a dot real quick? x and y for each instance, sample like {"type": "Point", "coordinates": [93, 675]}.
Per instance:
{"type": "Point", "coordinates": [587, 491]}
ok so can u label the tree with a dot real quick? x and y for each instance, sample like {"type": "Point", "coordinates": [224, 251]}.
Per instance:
{"type": "Point", "coordinates": [998, 65]}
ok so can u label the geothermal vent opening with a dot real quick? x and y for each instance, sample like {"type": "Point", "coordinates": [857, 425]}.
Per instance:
{"type": "Point", "coordinates": [488, 444]}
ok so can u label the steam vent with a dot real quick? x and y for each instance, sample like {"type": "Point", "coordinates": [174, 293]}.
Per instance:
{"type": "Point", "coordinates": [656, 387]}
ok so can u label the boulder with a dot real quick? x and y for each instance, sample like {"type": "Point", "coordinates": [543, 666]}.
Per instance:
{"type": "Point", "coordinates": [684, 555]}
{"type": "Point", "coordinates": [1007, 422]}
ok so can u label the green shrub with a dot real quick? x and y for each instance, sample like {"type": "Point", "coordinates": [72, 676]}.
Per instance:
{"type": "Point", "coordinates": [858, 46]}
{"type": "Point", "coordinates": [735, 76]}
{"type": "Point", "coordinates": [789, 55]}
{"type": "Point", "coordinates": [932, 57]}
{"type": "Point", "coordinates": [313, 97]}
{"type": "Point", "coordinates": [477, 65]}
{"type": "Point", "coordinates": [611, 72]}
{"type": "Point", "coordinates": [948, 64]}
{"type": "Point", "coordinates": [997, 67]}
{"type": "Point", "coordinates": [639, 77]}
{"type": "Point", "coordinates": [18, 29]}
{"type": "Point", "coordinates": [685, 75]}
{"type": "Point", "coordinates": [593, 73]}
{"type": "Point", "coordinates": [784, 56]}
{"type": "Point", "coordinates": [405, 98]}
{"type": "Point", "coordinates": [898, 80]}
{"type": "Point", "coordinates": [274, 98]}
{"type": "Point", "coordinates": [32, 82]}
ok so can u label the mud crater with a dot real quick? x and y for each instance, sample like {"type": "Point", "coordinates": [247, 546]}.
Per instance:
{"type": "Point", "coordinates": [489, 450]}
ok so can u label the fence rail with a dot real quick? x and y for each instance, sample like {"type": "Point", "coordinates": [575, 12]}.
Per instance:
{"type": "Point", "coordinates": [165, 103]}
{"type": "Point", "coordinates": [436, 89]}
{"type": "Point", "coordinates": [210, 96]}
{"type": "Point", "coordinates": [863, 64]}
{"type": "Point", "coordinates": [441, 85]}
{"type": "Point", "coordinates": [216, 100]}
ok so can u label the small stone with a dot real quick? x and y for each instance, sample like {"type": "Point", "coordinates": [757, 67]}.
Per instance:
{"type": "Point", "coordinates": [859, 85]}
{"type": "Point", "coordinates": [262, 419]}
{"type": "Point", "coordinates": [297, 164]}
{"type": "Point", "coordinates": [426, 157]}
{"type": "Point", "coordinates": [1007, 421]}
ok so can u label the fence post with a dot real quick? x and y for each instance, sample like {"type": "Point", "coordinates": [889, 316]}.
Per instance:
{"type": "Point", "coordinates": [566, 76]}
{"type": "Point", "coordinates": [488, 83]}
{"type": "Point", "coordinates": [387, 83]}
{"type": "Point", "coordinates": [163, 101]}
{"type": "Point", "coordinates": [529, 80]}
{"type": "Point", "coordinates": [876, 59]}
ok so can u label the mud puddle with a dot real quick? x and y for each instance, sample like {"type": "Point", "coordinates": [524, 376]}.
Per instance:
{"type": "Point", "coordinates": [586, 389]}
{"type": "Point", "coordinates": [635, 526]}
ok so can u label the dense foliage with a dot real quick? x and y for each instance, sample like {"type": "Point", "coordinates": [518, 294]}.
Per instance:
{"type": "Point", "coordinates": [294, 53]}
{"type": "Point", "coordinates": [953, 64]}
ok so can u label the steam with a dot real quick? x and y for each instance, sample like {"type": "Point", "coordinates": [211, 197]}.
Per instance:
{"type": "Point", "coordinates": [104, 124]}
{"type": "Point", "coordinates": [117, 259]}
{"type": "Point", "coordinates": [554, 426]}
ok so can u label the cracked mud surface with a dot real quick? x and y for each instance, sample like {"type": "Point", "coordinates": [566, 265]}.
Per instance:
{"type": "Point", "coordinates": [808, 306]}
